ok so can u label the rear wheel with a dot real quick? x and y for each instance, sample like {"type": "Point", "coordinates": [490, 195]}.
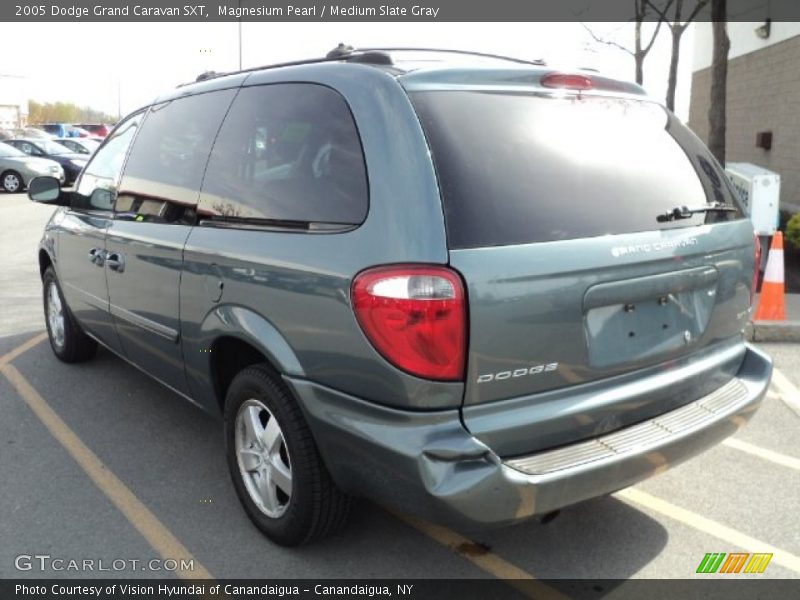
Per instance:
{"type": "Point", "coordinates": [11, 182]}
{"type": "Point", "coordinates": [69, 343]}
{"type": "Point", "coordinates": [276, 468]}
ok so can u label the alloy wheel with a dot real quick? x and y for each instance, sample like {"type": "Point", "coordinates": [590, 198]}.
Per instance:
{"type": "Point", "coordinates": [263, 458]}
{"type": "Point", "coordinates": [55, 315]}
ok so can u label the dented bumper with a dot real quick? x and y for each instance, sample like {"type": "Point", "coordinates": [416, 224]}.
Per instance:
{"type": "Point", "coordinates": [428, 464]}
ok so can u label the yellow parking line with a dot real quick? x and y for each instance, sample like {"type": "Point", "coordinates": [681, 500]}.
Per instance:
{"type": "Point", "coordinates": [483, 559]}
{"type": "Point", "coordinates": [168, 546]}
{"type": "Point", "coordinates": [706, 525]}
{"type": "Point", "coordinates": [157, 535]}
{"type": "Point", "coordinates": [34, 341]}
{"type": "Point", "coordinates": [165, 543]}
{"type": "Point", "coordinates": [776, 457]}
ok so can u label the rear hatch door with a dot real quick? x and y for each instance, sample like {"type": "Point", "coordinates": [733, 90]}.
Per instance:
{"type": "Point", "coordinates": [575, 286]}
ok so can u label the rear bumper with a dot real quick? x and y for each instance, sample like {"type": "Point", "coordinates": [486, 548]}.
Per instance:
{"type": "Point", "coordinates": [427, 464]}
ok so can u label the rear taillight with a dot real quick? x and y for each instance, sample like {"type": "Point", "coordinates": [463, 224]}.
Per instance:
{"type": "Point", "coordinates": [756, 268]}
{"type": "Point", "coordinates": [415, 316]}
{"type": "Point", "coordinates": [569, 81]}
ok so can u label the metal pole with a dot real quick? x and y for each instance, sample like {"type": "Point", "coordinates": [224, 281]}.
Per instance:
{"type": "Point", "coordinates": [240, 35]}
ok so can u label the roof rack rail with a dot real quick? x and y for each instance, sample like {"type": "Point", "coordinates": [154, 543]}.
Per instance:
{"type": "Point", "coordinates": [375, 56]}
{"type": "Point", "coordinates": [341, 52]}
{"type": "Point", "coordinates": [537, 61]}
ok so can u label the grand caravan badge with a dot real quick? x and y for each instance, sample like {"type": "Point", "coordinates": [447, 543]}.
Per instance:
{"type": "Point", "coordinates": [686, 242]}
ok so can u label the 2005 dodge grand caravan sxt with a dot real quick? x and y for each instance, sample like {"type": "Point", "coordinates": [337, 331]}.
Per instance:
{"type": "Point", "coordinates": [474, 294]}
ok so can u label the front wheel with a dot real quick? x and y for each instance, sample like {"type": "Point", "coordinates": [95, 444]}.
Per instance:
{"type": "Point", "coordinates": [275, 465]}
{"type": "Point", "coordinates": [12, 182]}
{"type": "Point", "coordinates": [69, 343]}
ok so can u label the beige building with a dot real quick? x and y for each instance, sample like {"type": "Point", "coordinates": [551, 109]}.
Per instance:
{"type": "Point", "coordinates": [763, 113]}
{"type": "Point", "coordinates": [13, 101]}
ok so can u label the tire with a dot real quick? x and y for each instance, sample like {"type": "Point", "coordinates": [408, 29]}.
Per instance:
{"type": "Point", "coordinates": [12, 182]}
{"type": "Point", "coordinates": [68, 341]}
{"type": "Point", "coordinates": [314, 507]}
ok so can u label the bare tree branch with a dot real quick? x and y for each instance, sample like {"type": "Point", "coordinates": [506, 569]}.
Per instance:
{"type": "Point", "coordinates": [641, 5]}
{"type": "Point", "coordinates": [700, 5]}
{"type": "Point", "coordinates": [647, 48]}
{"type": "Point", "coordinates": [661, 13]}
{"type": "Point", "coordinates": [601, 40]}
{"type": "Point", "coordinates": [677, 28]}
{"type": "Point", "coordinates": [639, 51]}
{"type": "Point", "coordinates": [675, 23]}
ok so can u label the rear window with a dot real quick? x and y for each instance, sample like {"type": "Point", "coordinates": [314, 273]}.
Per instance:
{"type": "Point", "coordinates": [517, 168]}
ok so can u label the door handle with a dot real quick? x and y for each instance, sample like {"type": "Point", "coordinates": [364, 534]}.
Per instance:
{"type": "Point", "coordinates": [116, 261]}
{"type": "Point", "coordinates": [97, 256]}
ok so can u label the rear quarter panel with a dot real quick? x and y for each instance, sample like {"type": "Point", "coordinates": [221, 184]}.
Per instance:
{"type": "Point", "coordinates": [299, 283]}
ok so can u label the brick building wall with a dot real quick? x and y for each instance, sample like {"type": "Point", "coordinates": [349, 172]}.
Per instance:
{"type": "Point", "coordinates": [763, 95]}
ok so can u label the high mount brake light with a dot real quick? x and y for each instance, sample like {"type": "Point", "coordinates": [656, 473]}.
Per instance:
{"type": "Point", "coordinates": [415, 317]}
{"type": "Point", "coordinates": [569, 81]}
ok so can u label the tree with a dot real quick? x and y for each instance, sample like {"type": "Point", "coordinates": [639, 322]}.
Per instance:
{"type": "Point", "coordinates": [639, 52]}
{"type": "Point", "coordinates": [719, 80]}
{"type": "Point", "coordinates": [677, 27]}
{"type": "Point", "coordinates": [65, 112]}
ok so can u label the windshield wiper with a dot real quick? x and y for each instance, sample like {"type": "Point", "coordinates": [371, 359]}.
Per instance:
{"type": "Point", "coordinates": [686, 212]}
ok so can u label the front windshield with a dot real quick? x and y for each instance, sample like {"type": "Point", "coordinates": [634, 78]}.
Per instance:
{"type": "Point", "coordinates": [54, 148]}
{"type": "Point", "coordinates": [7, 151]}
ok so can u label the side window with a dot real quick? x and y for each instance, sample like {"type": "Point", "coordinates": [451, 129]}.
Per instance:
{"type": "Point", "coordinates": [166, 164]}
{"type": "Point", "coordinates": [30, 149]}
{"type": "Point", "coordinates": [98, 183]}
{"type": "Point", "coordinates": [287, 152]}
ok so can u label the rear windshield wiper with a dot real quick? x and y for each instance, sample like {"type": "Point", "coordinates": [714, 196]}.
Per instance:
{"type": "Point", "coordinates": [686, 212]}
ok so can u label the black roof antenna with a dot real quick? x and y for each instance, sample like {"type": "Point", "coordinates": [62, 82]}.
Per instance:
{"type": "Point", "coordinates": [350, 54]}
{"type": "Point", "coordinates": [209, 75]}
{"type": "Point", "coordinates": [340, 51]}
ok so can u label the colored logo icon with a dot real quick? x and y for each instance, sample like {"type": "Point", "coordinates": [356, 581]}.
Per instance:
{"type": "Point", "coordinates": [734, 562]}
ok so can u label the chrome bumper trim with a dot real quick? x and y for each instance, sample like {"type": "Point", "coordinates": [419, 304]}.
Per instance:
{"type": "Point", "coordinates": [638, 438]}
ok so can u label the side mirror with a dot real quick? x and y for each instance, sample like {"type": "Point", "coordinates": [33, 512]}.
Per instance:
{"type": "Point", "coordinates": [45, 190]}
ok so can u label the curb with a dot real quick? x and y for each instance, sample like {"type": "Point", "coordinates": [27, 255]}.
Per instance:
{"type": "Point", "coordinates": [773, 331]}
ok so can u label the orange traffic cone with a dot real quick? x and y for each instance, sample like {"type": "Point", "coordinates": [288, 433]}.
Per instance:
{"type": "Point", "coordinates": [771, 306]}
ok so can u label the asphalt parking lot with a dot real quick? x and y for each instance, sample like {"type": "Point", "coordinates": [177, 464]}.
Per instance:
{"type": "Point", "coordinates": [98, 461]}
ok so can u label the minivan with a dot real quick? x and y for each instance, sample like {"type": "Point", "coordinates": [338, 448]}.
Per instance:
{"type": "Point", "coordinates": [471, 291]}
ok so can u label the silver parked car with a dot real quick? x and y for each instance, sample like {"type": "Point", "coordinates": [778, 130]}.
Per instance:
{"type": "Point", "coordinates": [17, 169]}
{"type": "Point", "coordinates": [80, 145]}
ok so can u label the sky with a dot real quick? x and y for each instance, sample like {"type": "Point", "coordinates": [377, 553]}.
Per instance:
{"type": "Point", "coordinates": [111, 66]}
